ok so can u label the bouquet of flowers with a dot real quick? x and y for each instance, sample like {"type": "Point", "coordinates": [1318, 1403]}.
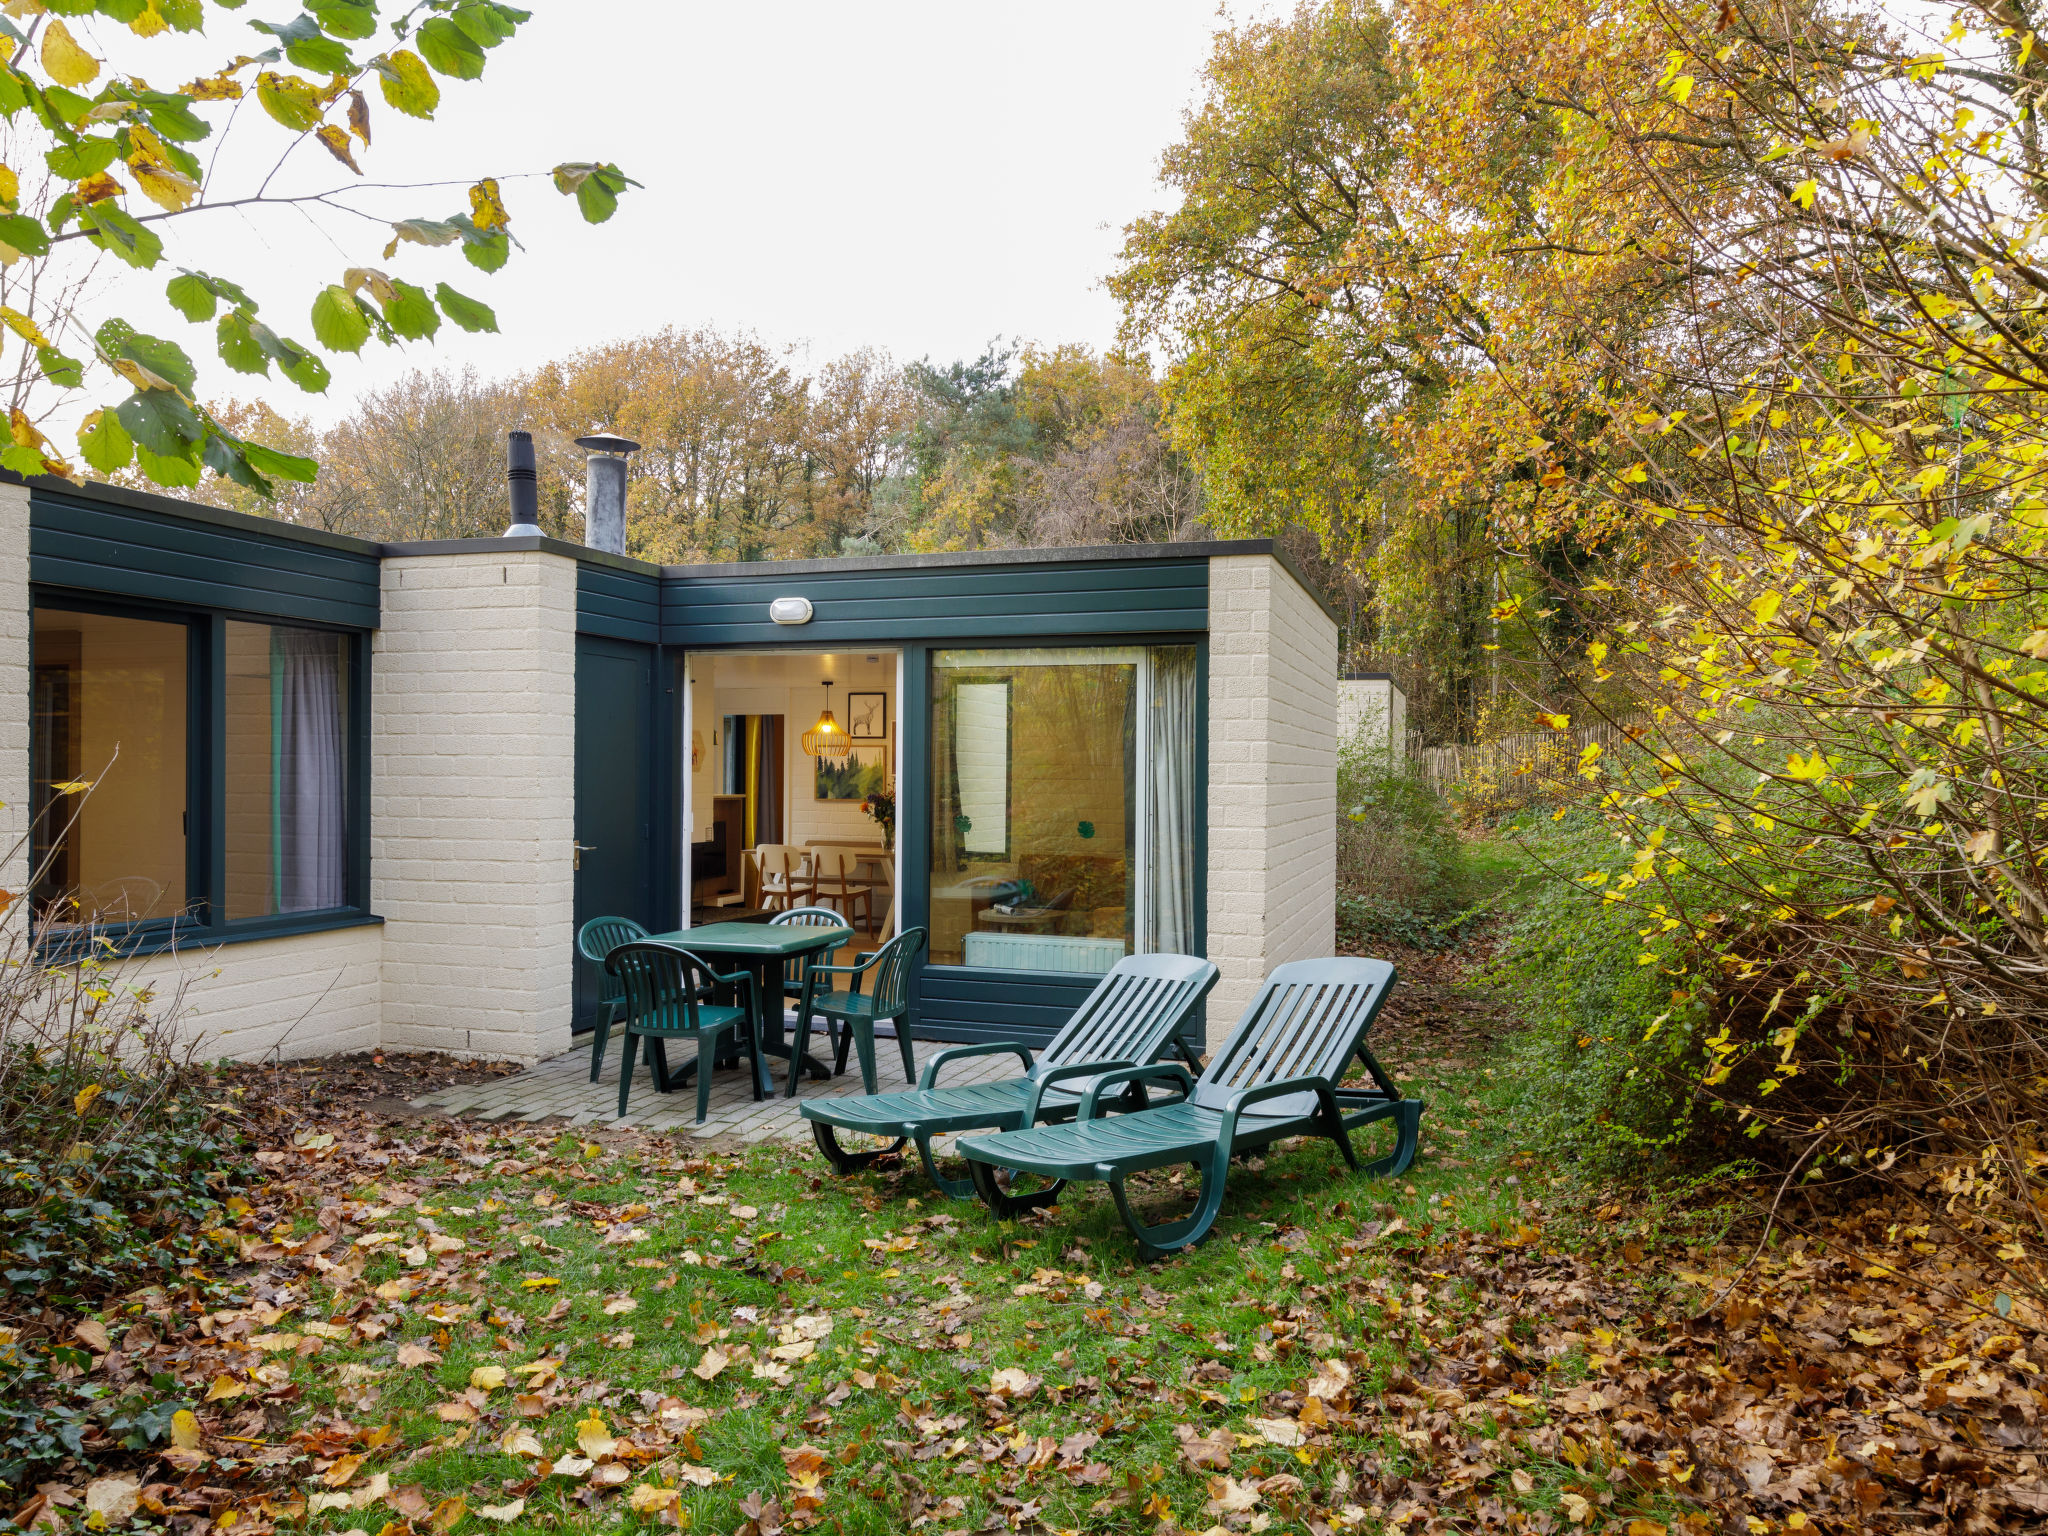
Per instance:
{"type": "Point", "coordinates": [880, 808]}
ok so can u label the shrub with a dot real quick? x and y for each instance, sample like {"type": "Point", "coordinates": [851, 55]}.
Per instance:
{"type": "Point", "coordinates": [1601, 1061]}
{"type": "Point", "coordinates": [1402, 873]}
{"type": "Point", "coordinates": [112, 1174]}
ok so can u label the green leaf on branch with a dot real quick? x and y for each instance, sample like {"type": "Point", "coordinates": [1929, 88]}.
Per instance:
{"type": "Point", "coordinates": [352, 19]}
{"type": "Point", "coordinates": [286, 466]}
{"type": "Point", "coordinates": [104, 443]}
{"type": "Point", "coordinates": [407, 86]}
{"type": "Point", "coordinates": [114, 229]}
{"type": "Point", "coordinates": [303, 366]}
{"type": "Point", "coordinates": [83, 158]}
{"type": "Point", "coordinates": [195, 294]}
{"type": "Point", "coordinates": [175, 470]}
{"type": "Point", "coordinates": [22, 460]}
{"type": "Point", "coordinates": [65, 372]}
{"type": "Point", "coordinates": [225, 457]}
{"type": "Point", "coordinates": [339, 323]}
{"type": "Point", "coordinates": [291, 101]}
{"type": "Point", "coordinates": [595, 187]}
{"type": "Point", "coordinates": [159, 421]}
{"type": "Point", "coordinates": [191, 297]}
{"type": "Point", "coordinates": [449, 50]}
{"type": "Point", "coordinates": [120, 342]}
{"type": "Point", "coordinates": [308, 46]}
{"type": "Point", "coordinates": [486, 23]}
{"type": "Point", "coordinates": [23, 236]}
{"type": "Point", "coordinates": [239, 349]}
{"type": "Point", "coordinates": [411, 313]}
{"type": "Point", "coordinates": [464, 311]}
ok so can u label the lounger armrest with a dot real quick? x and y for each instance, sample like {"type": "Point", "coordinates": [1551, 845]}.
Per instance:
{"type": "Point", "coordinates": [930, 1075]}
{"type": "Point", "coordinates": [1111, 1079]}
{"type": "Point", "coordinates": [1245, 1097]}
{"type": "Point", "coordinates": [1061, 1074]}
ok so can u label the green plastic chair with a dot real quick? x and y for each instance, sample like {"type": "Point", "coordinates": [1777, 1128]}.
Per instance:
{"type": "Point", "coordinates": [1276, 1076]}
{"type": "Point", "coordinates": [806, 917]}
{"type": "Point", "coordinates": [1134, 1014]}
{"type": "Point", "coordinates": [594, 941]}
{"type": "Point", "coordinates": [856, 1014]}
{"type": "Point", "coordinates": [666, 999]}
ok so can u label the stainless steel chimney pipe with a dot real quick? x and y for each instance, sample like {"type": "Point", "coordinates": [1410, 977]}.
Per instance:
{"type": "Point", "coordinates": [604, 482]}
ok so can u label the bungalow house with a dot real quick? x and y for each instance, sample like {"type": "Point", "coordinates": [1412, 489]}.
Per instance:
{"type": "Point", "coordinates": [350, 795]}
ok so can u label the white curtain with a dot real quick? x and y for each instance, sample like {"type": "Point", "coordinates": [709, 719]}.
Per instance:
{"type": "Point", "coordinates": [1170, 802]}
{"type": "Point", "coordinates": [310, 772]}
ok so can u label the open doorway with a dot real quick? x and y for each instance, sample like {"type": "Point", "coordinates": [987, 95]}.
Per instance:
{"type": "Point", "coordinates": [787, 807]}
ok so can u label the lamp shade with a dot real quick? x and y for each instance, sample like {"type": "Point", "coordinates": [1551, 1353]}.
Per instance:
{"type": "Point", "coordinates": [827, 738]}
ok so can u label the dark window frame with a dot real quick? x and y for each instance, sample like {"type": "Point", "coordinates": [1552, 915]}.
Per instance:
{"type": "Point", "coordinates": [202, 922]}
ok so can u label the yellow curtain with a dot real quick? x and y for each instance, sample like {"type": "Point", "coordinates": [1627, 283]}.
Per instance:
{"type": "Point", "coordinates": [753, 776]}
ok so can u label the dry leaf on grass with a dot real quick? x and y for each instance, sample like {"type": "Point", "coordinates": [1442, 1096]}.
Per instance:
{"type": "Point", "coordinates": [1210, 1452]}
{"type": "Point", "coordinates": [714, 1361]}
{"type": "Point", "coordinates": [113, 1499]}
{"type": "Point", "coordinates": [1227, 1496]}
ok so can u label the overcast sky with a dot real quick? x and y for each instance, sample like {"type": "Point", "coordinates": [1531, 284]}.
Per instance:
{"type": "Point", "coordinates": [917, 176]}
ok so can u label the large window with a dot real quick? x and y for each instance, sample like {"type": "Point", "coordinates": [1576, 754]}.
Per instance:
{"type": "Point", "coordinates": [1064, 826]}
{"type": "Point", "coordinates": [287, 701]}
{"type": "Point", "coordinates": [194, 769]}
{"type": "Point", "coordinates": [110, 710]}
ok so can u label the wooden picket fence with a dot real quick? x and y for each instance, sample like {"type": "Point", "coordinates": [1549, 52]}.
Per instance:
{"type": "Point", "coordinates": [1518, 767]}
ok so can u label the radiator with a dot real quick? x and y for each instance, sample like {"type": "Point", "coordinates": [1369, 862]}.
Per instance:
{"type": "Point", "coordinates": [1043, 952]}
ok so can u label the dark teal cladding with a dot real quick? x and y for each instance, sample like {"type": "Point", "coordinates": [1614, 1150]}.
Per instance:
{"type": "Point", "coordinates": [618, 604]}
{"type": "Point", "coordinates": [197, 557]}
{"type": "Point", "coordinates": [1019, 601]}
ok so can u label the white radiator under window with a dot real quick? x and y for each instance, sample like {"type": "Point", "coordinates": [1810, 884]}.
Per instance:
{"type": "Point", "coordinates": [1043, 952]}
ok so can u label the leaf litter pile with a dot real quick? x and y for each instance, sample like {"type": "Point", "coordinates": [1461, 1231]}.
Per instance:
{"type": "Point", "coordinates": [429, 1326]}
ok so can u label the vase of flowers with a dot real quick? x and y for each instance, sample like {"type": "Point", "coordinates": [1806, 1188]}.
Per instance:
{"type": "Point", "coordinates": [880, 808]}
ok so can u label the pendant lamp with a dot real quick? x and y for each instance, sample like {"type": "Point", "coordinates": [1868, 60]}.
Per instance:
{"type": "Point", "coordinates": [826, 739]}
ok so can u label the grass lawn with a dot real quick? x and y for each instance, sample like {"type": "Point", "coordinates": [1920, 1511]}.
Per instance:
{"type": "Point", "coordinates": [558, 1328]}
{"type": "Point", "coordinates": [444, 1326]}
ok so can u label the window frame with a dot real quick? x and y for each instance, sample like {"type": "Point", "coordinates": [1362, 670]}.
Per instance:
{"type": "Point", "coordinates": [926, 656]}
{"type": "Point", "coordinates": [202, 918]}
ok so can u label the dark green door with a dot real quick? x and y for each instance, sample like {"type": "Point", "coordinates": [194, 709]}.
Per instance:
{"type": "Point", "coordinates": [617, 850]}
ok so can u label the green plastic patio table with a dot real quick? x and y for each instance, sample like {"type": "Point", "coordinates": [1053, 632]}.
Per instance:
{"type": "Point", "coordinates": [761, 949]}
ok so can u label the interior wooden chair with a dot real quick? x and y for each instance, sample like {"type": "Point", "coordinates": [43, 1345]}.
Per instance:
{"type": "Point", "coordinates": [789, 877]}
{"type": "Point", "coordinates": [841, 887]}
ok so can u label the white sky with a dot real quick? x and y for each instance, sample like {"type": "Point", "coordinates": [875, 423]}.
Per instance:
{"type": "Point", "coordinates": [918, 176]}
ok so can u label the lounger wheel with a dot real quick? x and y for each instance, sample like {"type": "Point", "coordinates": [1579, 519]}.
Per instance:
{"type": "Point", "coordinates": [1024, 1191]}
{"type": "Point", "coordinates": [843, 1160]}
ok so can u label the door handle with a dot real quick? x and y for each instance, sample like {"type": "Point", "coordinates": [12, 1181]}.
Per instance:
{"type": "Point", "coordinates": [582, 849]}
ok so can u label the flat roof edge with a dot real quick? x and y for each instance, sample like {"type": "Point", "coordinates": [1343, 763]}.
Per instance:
{"type": "Point", "coordinates": [277, 528]}
{"type": "Point", "coordinates": [953, 559]}
{"type": "Point", "coordinates": [191, 511]}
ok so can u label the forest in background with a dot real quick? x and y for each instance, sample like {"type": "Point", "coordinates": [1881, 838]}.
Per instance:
{"type": "Point", "coordinates": [747, 455]}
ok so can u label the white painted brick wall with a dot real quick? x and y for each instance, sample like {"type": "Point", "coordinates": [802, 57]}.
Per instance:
{"type": "Point", "coordinates": [1272, 778]}
{"type": "Point", "coordinates": [314, 994]}
{"type": "Point", "coordinates": [473, 801]}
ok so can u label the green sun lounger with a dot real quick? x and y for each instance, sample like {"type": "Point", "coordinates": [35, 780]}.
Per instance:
{"type": "Point", "coordinates": [1276, 1076]}
{"type": "Point", "coordinates": [1134, 1014]}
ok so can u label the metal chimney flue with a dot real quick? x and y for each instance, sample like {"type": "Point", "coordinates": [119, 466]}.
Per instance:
{"type": "Point", "coordinates": [604, 482]}
{"type": "Point", "coordinates": [523, 483]}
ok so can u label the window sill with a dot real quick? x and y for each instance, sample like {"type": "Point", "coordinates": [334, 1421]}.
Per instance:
{"type": "Point", "coordinates": [60, 948]}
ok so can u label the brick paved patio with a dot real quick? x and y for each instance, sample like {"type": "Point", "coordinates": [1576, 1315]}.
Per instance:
{"type": "Point", "coordinates": [561, 1087]}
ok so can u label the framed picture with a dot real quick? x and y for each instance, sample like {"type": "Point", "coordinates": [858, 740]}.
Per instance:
{"type": "Point", "coordinates": [862, 772]}
{"type": "Point", "coordinates": [867, 716]}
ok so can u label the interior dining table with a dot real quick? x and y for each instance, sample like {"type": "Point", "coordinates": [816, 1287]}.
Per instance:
{"type": "Point", "coordinates": [760, 949]}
